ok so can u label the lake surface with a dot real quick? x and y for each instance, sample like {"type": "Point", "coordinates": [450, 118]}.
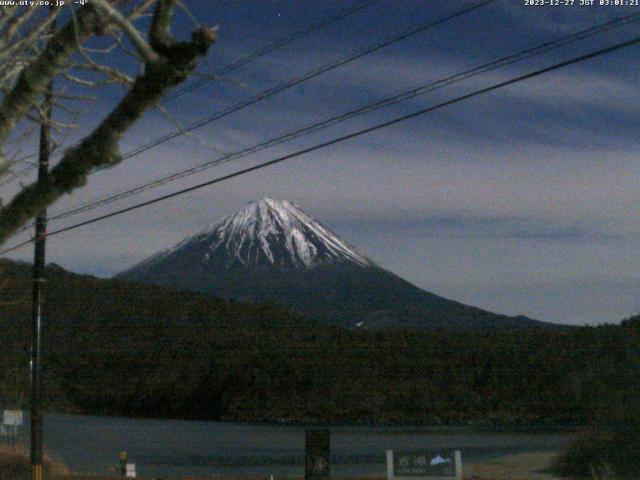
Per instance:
{"type": "Point", "coordinates": [190, 448]}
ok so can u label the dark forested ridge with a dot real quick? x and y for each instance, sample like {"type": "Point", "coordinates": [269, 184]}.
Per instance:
{"type": "Point", "coordinates": [126, 349]}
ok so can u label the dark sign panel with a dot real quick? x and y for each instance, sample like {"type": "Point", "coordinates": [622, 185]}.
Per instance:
{"type": "Point", "coordinates": [317, 454]}
{"type": "Point", "coordinates": [432, 464]}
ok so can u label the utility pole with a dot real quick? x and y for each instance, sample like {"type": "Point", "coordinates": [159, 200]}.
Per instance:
{"type": "Point", "coordinates": [38, 284]}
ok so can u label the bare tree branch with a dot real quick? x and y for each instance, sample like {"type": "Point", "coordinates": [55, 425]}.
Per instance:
{"type": "Point", "coordinates": [183, 131]}
{"type": "Point", "coordinates": [35, 77]}
{"type": "Point", "coordinates": [141, 10]}
{"type": "Point", "coordinates": [160, 32]}
{"type": "Point", "coordinates": [132, 32]}
{"type": "Point", "coordinates": [172, 64]}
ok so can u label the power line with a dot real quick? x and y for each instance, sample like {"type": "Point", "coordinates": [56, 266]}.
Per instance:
{"type": "Point", "coordinates": [241, 62]}
{"type": "Point", "coordinates": [350, 136]}
{"type": "Point", "coordinates": [296, 81]}
{"type": "Point", "coordinates": [303, 78]}
{"type": "Point", "coordinates": [16, 247]}
{"type": "Point", "coordinates": [274, 46]}
{"type": "Point", "coordinates": [414, 92]}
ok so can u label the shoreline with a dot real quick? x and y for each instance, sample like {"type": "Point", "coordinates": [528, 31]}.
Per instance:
{"type": "Point", "coordinates": [522, 466]}
{"type": "Point", "coordinates": [406, 427]}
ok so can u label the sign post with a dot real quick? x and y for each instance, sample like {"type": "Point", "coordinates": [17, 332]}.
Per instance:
{"type": "Point", "coordinates": [425, 465]}
{"type": "Point", "coordinates": [123, 458]}
{"type": "Point", "coordinates": [11, 422]}
{"type": "Point", "coordinates": [127, 468]}
{"type": "Point", "coordinates": [317, 449]}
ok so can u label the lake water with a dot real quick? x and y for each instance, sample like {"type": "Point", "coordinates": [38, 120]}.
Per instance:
{"type": "Point", "coordinates": [191, 448]}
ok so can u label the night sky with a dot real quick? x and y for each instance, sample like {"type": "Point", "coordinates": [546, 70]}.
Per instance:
{"type": "Point", "coordinates": [521, 201]}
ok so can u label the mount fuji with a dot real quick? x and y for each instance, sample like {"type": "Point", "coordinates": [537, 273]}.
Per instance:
{"type": "Point", "coordinates": [273, 251]}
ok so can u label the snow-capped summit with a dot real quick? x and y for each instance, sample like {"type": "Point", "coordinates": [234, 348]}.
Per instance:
{"type": "Point", "coordinates": [278, 232]}
{"type": "Point", "coordinates": [267, 232]}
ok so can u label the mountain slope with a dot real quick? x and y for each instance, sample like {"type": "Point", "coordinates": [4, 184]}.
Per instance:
{"type": "Point", "coordinates": [71, 299]}
{"type": "Point", "coordinates": [272, 251]}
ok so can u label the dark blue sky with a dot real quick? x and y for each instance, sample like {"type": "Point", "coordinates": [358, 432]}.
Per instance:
{"type": "Point", "coordinates": [522, 201]}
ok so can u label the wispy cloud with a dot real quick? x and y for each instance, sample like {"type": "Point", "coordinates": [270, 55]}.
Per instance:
{"type": "Point", "coordinates": [520, 201]}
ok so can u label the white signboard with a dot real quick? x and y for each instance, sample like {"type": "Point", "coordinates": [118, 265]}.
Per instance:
{"type": "Point", "coordinates": [130, 470]}
{"type": "Point", "coordinates": [12, 417]}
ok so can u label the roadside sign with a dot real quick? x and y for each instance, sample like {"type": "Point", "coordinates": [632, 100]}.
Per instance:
{"type": "Point", "coordinates": [12, 417]}
{"type": "Point", "coordinates": [425, 465]}
{"type": "Point", "coordinates": [130, 470]}
{"type": "Point", "coordinates": [317, 446]}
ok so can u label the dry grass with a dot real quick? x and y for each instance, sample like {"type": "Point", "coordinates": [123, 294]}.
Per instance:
{"type": "Point", "coordinates": [526, 466]}
{"type": "Point", "coordinates": [15, 465]}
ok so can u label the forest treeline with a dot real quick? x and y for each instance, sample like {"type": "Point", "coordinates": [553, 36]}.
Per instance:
{"type": "Point", "coordinates": [148, 351]}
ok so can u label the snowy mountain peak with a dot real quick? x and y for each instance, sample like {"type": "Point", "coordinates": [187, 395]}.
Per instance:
{"type": "Point", "coordinates": [272, 251]}
{"type": "Point", "coordinates": [265, 232]}
{"type": "Point", "coordinates": [277, 232]}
